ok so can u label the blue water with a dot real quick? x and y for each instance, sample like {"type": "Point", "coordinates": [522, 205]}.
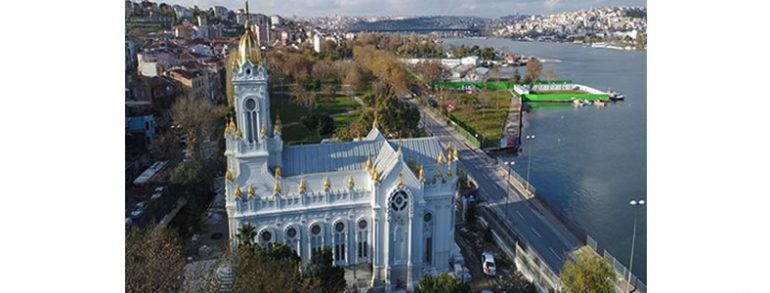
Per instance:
{"type": "Point", "coordinates": [589, 162]}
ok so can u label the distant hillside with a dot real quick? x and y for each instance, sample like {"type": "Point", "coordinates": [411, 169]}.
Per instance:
{"type": "Point", "coordinates": [424, 23]}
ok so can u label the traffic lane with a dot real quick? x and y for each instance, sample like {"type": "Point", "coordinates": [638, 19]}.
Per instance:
{"type": "Point", "coordinates": [550, 247]}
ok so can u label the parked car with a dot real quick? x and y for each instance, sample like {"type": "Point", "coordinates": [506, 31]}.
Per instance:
{"type": "Point", "coordinates": [488, 264]}
{"type": "Point", "coordinates": [138, 210]}
{"type": "Point", "coordinates": [158, 192]}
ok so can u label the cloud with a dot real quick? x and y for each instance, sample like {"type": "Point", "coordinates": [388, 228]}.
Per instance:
{"type": "Point", "coordinates": [551, 4]}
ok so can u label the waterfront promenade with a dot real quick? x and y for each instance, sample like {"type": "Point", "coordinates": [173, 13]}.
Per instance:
{"type": "Point", "coordinates": [541, 231]}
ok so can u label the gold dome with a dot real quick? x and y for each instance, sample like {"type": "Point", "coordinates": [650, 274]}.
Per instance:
{"type": "Point", "coordinates": [238, 191]}
{"type": "Point", "coordinates": [248, 47]}
{"type": "Point", "coordinates": [277, 187]}
{"type": "Point", "coordinates": [449, 171]}
{"type": "Point", "coordinates": [302, 185]}
{"type": "Point", "coordinates": [440, 159]}
{"type": "Point", "coordinates": [375, 176]}
{"type": "Point", "coordinates": [250, 191]}
{"type": "Point", "coordinates": [438, 173]}
{"type": "Point", "coordinates": [263, 132]}
{"type": "Point", "coordinates": [327, 183]}
{"type": "Point", "coordinates": [351, 183]}
{"type": "Point", "coordinates": [277, 172]}
{"type": "Point", "coordinates": [229, 175]}
{"type": "Point", "coordinates": [422, 173]}
{"type": "Point", "coordinates": [238, 133]}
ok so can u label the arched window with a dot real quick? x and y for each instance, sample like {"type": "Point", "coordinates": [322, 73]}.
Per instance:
{"type": "Point", "coordinates": [250, 119]}
{"type": "Point", "coordinates": [266, 238]}
{"type": "Point", "coordinates": [292, 238]}
{"type": "Point", "coordinates": [339, 242]}
{"type": "Point", "coordinates": [316, 238]}
{"type": "Point", "coordinates": [363, 240]}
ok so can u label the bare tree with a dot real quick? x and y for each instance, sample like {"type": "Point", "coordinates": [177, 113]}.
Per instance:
{"type": "Point", "coordinates": [302, 97]}
{"type": "Point", "coordinates": [534, 69]}
{"type": "Point", "coordinates": [154, 261]}
{"type": "Point", "coordinates": [198, 118]}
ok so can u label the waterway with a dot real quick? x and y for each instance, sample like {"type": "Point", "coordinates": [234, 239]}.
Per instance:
{"type": "Point", "coordinates": [589, 162]}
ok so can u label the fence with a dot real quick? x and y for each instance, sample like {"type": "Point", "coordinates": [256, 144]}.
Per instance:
{"type": "Point", "coordinates": [468, 132]}
{"type": "Point", "coordinates": [527, 260]}
{"type": "Point", "coordinates": [620, 269]}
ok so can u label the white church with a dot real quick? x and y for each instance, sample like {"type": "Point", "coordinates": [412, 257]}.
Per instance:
{"type": "Point", "coordinates": [384, 202]}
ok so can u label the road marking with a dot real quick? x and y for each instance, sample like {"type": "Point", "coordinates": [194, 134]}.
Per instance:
{"type": "Point", "coordinates": [533, 230]}
{"type": "Point", "coordinates": [554, 252]}
{"type": "Point", "coordinates": [520, 215]}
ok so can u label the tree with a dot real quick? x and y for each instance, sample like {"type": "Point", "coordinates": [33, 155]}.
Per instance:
{"type": "Point", "coordinates": [246, 234]}
{"type": "Point", "coordinates": [516, 77]}
{"type": "Point", "coordinates": [534, 68]}
{"type": "Point", "coordinates": [430, 71]}
{"type": "Point", "coordinates": [588, 273]}
{"type": "Point", "coordinates": [165, 146]}
{"type": "Point", "coordinates": [199, 118]}
{"type": "Point", "coordinates": [443, 283]}
{"type": "Point", "coordinates": [154, 261]}
{"type": "Point", "coordinates": [322, 268]}
{"type": "Point", "coordinates": [302, 97]}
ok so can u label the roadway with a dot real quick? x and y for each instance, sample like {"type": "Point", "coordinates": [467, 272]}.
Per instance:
{"type": "Point", "coordinates": [550, 240]}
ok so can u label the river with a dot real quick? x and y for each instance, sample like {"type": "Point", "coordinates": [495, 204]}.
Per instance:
{"type": "Point", "coordinates": [589, 162]}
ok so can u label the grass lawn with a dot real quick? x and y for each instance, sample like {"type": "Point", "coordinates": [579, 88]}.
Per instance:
{"type": "Point", "coordinates": [488, 120]}
{"type": "Point", "coordinates": [281, 104]}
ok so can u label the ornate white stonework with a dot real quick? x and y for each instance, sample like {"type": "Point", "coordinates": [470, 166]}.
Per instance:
{"type": "Point", "coordinates": [385, 202]}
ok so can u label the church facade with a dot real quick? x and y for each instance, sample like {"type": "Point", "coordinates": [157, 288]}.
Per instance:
{"type": "Point", "coordinates": [384, 202]}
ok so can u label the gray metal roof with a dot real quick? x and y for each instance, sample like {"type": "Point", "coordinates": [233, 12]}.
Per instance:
{"type": "Point", "coordinates": [350, 156]}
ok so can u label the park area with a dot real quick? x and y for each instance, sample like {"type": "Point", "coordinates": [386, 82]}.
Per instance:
{"type": "Point", "coordinates": [484, 112]}
{"type": "Point", "coordinates": [342, 109]}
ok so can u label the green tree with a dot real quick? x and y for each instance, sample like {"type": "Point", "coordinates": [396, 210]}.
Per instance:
{"type": "Point", "coordinates": [443, 283]}
{"type": "Point", "coordinates": [588, 273]}
{"type": "Point", "coordinates": [154, 261]}
{"type": "Point", "coordinates": [322, 268]}
{"type": "Point", "coordinates": [246, 234]}
{"type": "Point", "coordinates": [534, 68]}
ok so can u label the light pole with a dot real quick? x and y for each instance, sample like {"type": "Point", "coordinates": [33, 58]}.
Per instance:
{"type": "Point", "coordinates": [508, 165]}
{"type": "Point", "coordinates": [529, 159]}
{"type": "Point", "coordinates": [636, 205]}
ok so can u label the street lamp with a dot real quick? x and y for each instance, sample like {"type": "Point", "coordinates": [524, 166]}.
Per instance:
{"type": "Point", "coordinates": [529, 159]}
{"type": "Point", "coordinates": [508, 165]}
{"type": "Point", "coordinates": [636, 205]}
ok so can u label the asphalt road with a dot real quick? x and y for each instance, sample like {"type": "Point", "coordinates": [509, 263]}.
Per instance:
{"type": "Point", "coordinates": [551, 241]}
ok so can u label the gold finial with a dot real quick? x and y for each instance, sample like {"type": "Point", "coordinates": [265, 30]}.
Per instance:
{"type": "Point", "coordinates": [351, 183]}
{"type": "Point", "coordinates": [302, 185]}
{"type": "Point", "coordinates": [456, 154]}
{"type": "Point", "coordinates": [375, 176]}
{"type": "Point", "coordinates": [422, 173]}
{"type": "Point", "coordinates": [438, 173]}
{"type": "Point", "coordinates": [246, 23]}
{"type": "Point", "coordinates": [449, 171]}
{"type": "Point", "coordinates": [277, 187]}
{"type": "Point", "coordinates": [440, 159]}
{"type": "Point", "coordinates": [231, 126]}
{"type": "Point", "coordinates": [449, 157]}
{"type": "Point", "coordinates": [229, 175]}
{"type": "Point", "coordinates": [369, 164]}
{"type": "Point", "coordinates": [263, 131]}
{"type": "Point", "coordinates": [238, 191]}
{"type": "Point", "coordinates": [238, 133]}
{"type": "Point", "coordinates": [327, 183]}
{"type": "Point", "coordinates": [400, 179]}
{"type": "Point", "coordinates": [277, 172]}
{"type": "Point", "coordinates": [250, 190]}
{"type": "Point", "coordinates": [277, 125]}
{"type": "Point", "coordinates": [448, 147]}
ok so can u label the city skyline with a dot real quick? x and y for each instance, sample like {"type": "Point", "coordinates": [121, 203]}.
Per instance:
{"type": "Point", "coordinates": [483, 8]}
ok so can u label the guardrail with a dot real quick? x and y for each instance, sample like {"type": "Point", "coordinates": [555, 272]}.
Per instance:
{"type": "Point", "coordinates": [518, 177]}
{"type": "Point", "coordinates": [527, 260]}
{"type": "Point", "coordinates": [620, 269]}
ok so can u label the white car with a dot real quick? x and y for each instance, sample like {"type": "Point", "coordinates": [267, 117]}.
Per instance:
{"type": "Point", "coordinates": [488, 264]}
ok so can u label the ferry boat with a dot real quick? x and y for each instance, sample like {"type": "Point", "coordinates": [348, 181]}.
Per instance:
{"type": "Point", "coordinates": [615, 96]}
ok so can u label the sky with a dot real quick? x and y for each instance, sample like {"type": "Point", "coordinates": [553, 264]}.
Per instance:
{"type": "Point", "coordinates": [483, 8]}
